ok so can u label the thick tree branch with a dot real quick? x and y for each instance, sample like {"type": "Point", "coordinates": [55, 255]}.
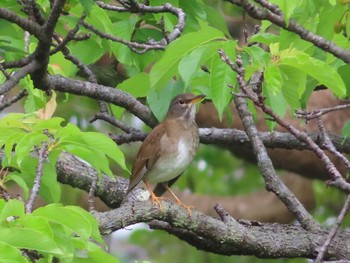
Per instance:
{"type": "Point", "coordinates": [72, 171]}
{"type": "Point", "coordinates": [104, 93]}
{"type": "Point", "coordinates": [42, 52]}
{"type": "Point", "coordinates": [273, 140]}
{"type": "Point", "coordinates": [226, 237]}
{"type": "Point", "coordinates": [24, 23]}
{"type": "Point", "coordinates": [230, 238]}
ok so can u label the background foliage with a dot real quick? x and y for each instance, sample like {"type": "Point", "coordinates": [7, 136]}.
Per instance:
{"type": "Point", "coordinates": [293, 68]}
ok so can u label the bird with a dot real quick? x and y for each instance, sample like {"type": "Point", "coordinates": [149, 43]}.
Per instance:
{"type": "Point", "coordinates": [168, 149]}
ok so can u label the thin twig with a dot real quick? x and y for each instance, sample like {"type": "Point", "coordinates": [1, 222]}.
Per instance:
{"type": "Point", "coordinates": [91, 197]}
{"type": "Point", "coordinates": [225, 216]}
{"type": "Point", "coordinates": [13, 100]}
{"type": "Point", "coordinates": [134, 46]}
{"type": "Point", "coordinates": [273, 8]}
{"type": "Point", "coordinates": [114, 121]}
{"type": "Point", "coordinates": [333, 231]}
{"type": "Point", "coordinates": [17, 76]}
{"type": "Point", "coordinates": [309, 115]}
{"type": "Point", "coordinates": [43, 154]}
{"type": "Point", "coordinates": [3, 70]}
{"type": "Point", "coordinates": [70, 36]}
{"type": "Point", "coordinates": [328, 144]}
{"type": "Point", "coordinates": [128, 138]}
{"type": "Point", "coordinates": [133, 6]}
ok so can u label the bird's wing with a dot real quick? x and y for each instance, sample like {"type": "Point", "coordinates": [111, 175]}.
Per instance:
{"type": "Point", "coordinates": [146, 157]}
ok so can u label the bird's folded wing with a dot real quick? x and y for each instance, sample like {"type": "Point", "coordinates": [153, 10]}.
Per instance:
{"type": "Point", "coordinates": [147, 156]}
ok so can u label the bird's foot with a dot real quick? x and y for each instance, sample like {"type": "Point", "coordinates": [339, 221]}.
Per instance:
{"type": "Point", "coordinates": [187, 207]}
{"type": "Point", "coordinates": [156, 200]}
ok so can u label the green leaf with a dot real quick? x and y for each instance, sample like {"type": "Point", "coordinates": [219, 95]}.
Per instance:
{"type": "Point", "coordinates": [97, 254]}
{"type": "Point", "coordinates": [29, 239]}
{"type": "Point", "coordinates": [287, 7]}
{"type": "Point", "coordinates": [65, 241]}
{"type": "Point", "coordinates": [137, 85]}
{"type": "Point", "coordinates": [215, 19]}
{"type": "Point", "coordinates": [11, 141]}
{"type": "Point", "coordinates": [51, 124]}
{"type": "Point", "coordinates": [317, 69]}
{"type": "Point", "coordinates": [221, 75]}
{"type": "Point", "coordinates": [117, 111]}
{"type": "Point", "coordinates": [346, 131]}
{"type": "Point", "coordinates": [159, 101]}
{"type": "Point", "coordinates": [273, 78]}
{"type": "Point", "coordinates": [344, 72]}
{"type": "Point", "coordinates": [27, 143]}
{"type": "Point", "coordinates": [4, 49]}
{"type": "Point", "coordinates": [84, 153]}
{"type": "Point", "coordinates": [13, 120]}
{"type": "Point", "coordinates": [69, 218]}
{"type": "Point", "coordinates": [87, 5]}
{"type": "Point", "coordinates": [11, 208]}
{"type": "Point", "coordinates": [95, 233]}
{"type": "Point", "coordinates": [190, 63]}
{"type": "Point", "coordinates": [260, 57]}
{"type": "Point", "coordinates": [9, 134]}
{"type": "Point", "coordinates": [35, 99]}
{"type": "Point", "coordinates": [294, 84]}
{"type": "Point", "coordinates": [40, 224]}
{"type": "Point", "coordinates": [17, 178]}
{"type": "Point", "coordinates": [87, 51]}
{"type": "Point", "coordinates": [277, 102]}
{"type": "Point", "coordinates": [11, 254]}
{"type": "Point", "coordinates": [194, 8]}
{"type": "Point", "coordinates": [99, 18]}
{"type": "Point", "coordinates": [67, 132]}
{"type": "Point", "coordinates": [104, 144]}
{"type": "Point", "coordinates": [264, 38]}
{"type": "Point", "coordinates": [50, 189]}
{"type": "Point", "coordinates": [166, 67]}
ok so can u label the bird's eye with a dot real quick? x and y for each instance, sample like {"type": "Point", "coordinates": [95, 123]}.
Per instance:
{"type": "Point", "coordinates": [181, 102]}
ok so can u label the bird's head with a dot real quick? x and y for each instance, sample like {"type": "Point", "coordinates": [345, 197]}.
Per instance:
{"type": "Point", "coordinates": [183, 106]}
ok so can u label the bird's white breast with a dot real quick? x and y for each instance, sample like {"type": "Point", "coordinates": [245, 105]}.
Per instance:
{"type": "Point", "coordinates": [170, 166]}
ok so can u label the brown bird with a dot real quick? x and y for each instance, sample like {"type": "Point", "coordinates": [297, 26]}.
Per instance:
{"type": "Point", "coordinates": [168, 149]}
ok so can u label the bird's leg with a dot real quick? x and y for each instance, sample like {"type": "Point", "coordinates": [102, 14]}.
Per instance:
{"type": "Point", "coordinates": [178, 201]}
{"type": "Point", "coordinates": [154, 198]}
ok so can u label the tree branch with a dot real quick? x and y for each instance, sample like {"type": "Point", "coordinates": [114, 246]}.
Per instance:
{"type": "Point", "coordinates": [333, 231]}
{"type": "Point", "coordinates": [104, 93]}
{"type": "Point", "coordinates": [25, 24]}
{"type": "Point", "coordinates": [292, 26]}
{"type": "Point", "coordinates": [17, 76]}
{"type": "Point", "coordinates": [225, 238]}
{"type": "Point", "coordinates": [8, 102]}
{"type": "Point", "coordinates": [134, 7]}
{"type": "Point", "coordinates": [43, 154]}
{"type": "Point", "coordinates": [272, 182]}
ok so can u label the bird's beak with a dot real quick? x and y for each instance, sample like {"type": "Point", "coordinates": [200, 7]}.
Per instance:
{"type": "Point", "coordinates": [197, 99]}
